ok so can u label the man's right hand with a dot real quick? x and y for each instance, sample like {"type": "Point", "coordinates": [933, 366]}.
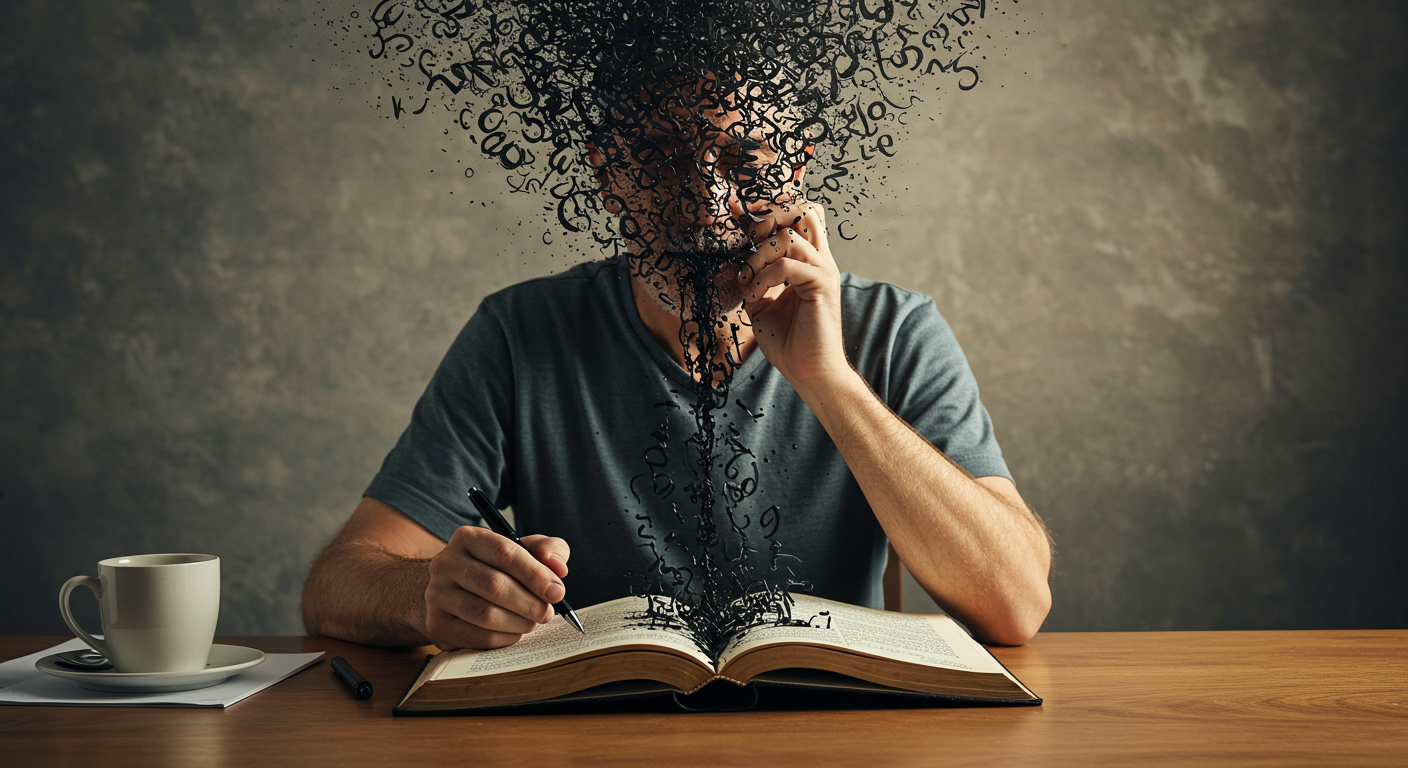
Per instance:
{"type": "Point", "coordinates": [487, 592]}
{"type": "Point", "coordinates": [386, 580]}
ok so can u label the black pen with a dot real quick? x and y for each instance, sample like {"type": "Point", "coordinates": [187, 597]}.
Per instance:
{"type": "Point", "coordinates": [360, 687]}
{"type": "Point", "coordinates": [499, 525]}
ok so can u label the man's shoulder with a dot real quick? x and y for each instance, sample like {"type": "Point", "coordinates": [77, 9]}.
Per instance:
{"type": "Point", "coordinates": [589, 286]}
{"type": "Point", "coordinates": [585, 276]}
{"type": "Point", "coordinates": [875, 299]}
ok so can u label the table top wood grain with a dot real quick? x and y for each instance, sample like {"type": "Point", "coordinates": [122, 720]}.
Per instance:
{"type": "Point", "coordinates": [1118, 698]}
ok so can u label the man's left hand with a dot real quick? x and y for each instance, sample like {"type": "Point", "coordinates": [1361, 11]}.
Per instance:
{"type": "Point", "coordinates": [793, 294]}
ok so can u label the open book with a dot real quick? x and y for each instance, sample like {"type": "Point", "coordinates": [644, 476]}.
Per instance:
{"type": "Point", "coordinates": [842, 648]}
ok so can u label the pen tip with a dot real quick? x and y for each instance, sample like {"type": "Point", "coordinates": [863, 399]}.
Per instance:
{"type": "Point", "coordinates": [571, 616]}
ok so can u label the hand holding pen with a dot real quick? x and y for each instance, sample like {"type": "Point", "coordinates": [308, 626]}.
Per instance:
{"type": "Point", "coordinates": [499, 525]}
{"type": "Point", "coordinates": [486, 591]}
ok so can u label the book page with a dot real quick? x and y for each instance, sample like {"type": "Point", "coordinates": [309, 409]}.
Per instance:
{"type": "Point", "coordinates": [606, 626]}
{"type": "Point", "coordinates": [931, 640]}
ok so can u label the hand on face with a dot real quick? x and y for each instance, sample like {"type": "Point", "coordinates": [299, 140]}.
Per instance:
{"type": "Point", "coordinates": [708, 164]}
{"type": "Point", "coordinates": [487, 592]}
{"type": "Point", "coordinates": [793, 293]}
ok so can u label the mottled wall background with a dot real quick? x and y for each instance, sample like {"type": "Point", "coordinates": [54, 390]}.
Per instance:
{"type": "Point", "coordinates": [1168, 235]}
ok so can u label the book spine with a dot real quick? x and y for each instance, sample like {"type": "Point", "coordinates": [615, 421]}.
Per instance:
{"type": "Point", "coordinates": [396, 711]}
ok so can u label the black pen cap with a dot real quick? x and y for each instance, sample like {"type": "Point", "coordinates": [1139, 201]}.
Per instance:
{"type": "Point", "coordinates": [358, 685]}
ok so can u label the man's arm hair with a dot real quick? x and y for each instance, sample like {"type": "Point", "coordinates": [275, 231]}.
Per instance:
{"type": "Point", "coordinates": [368, 585]}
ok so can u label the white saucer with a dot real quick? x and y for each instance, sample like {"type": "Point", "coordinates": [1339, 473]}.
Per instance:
{"type": "Point", "coordinates": [224, 661]}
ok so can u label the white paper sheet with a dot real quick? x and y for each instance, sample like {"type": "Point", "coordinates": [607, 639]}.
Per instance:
{"type": "Point", "coordinates": [21, 683]}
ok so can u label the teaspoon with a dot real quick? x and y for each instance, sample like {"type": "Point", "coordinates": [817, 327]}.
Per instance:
{"type": "Point", "coordinates": [86, 659]}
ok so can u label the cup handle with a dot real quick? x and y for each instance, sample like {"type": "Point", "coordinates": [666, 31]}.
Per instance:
{"type": "Point", "coordinates": [92, 582]}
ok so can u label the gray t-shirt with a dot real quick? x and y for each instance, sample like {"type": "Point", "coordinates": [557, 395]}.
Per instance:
{"type": "Point", "coordinates": [555, 400]}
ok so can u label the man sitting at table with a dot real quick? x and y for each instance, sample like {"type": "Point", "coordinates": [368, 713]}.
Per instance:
{"type": "Point", "coordinates": [851, 413]}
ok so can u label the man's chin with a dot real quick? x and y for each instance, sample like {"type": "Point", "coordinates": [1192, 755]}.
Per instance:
{"type": "Point", "coordinates": [702, 262]}
{"type": "Point", "coordinates": [718, 270]}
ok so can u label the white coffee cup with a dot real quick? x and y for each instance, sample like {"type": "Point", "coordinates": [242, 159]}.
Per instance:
{"type": "Point", "coordinates": [158, 611]}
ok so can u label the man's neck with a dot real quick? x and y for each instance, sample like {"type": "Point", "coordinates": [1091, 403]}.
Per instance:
{"type": "Point", "coordinates": [664, 327]}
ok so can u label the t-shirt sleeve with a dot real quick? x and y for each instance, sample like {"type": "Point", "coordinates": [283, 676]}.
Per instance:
{"type": "Point", "coordinates": [459, 435]}
{"type": "Point", "coordinates": [932, 388]}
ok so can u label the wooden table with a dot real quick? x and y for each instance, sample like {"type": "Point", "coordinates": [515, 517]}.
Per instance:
{"type": "Point", "coordinates": [1151, 698]}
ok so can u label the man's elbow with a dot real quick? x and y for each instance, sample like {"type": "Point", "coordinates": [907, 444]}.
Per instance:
{"type": "Point", "coordinates": [314, 603]}
{"type": "Point", "coordinates": [1019, 622]}
{"type": "Point", "coordinates": [312, 619]}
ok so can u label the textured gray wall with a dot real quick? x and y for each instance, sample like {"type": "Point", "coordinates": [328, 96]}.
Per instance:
{"type": "Point", "coordinates": [1168, 235]}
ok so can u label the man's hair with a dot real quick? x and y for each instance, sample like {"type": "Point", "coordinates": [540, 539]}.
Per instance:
{"type": "Point", "coordinates": [533, 82]}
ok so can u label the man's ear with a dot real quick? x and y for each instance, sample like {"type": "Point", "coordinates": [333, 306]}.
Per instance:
{"type": "Point", "coordinates": [598, 166]}
{"type": "Point", "coordinates": [799, 171]}
{"type": "Point", "coordinates": [594, 159]}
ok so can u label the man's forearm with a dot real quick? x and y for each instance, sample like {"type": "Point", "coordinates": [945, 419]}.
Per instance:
{"type": "Point", "coordinates": [365, 594]}
{"type": "Point", "coordinates": [984, 558]}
